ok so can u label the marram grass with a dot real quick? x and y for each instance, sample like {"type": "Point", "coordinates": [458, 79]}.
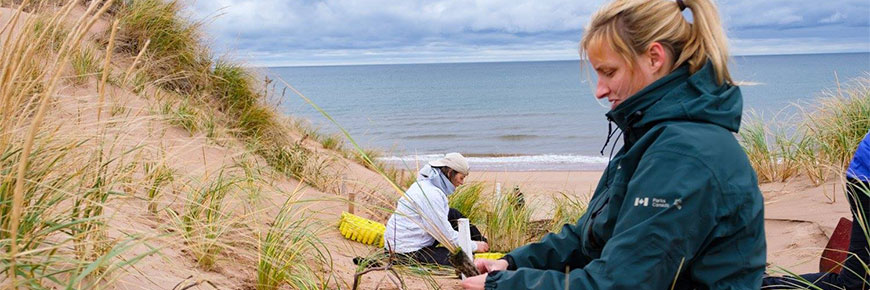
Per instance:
{"type": "Point", "coordinates": [468, 200]}
{"type": "Point", "coordinates": [508, 223]}
{"type": "Point", "coordinates": [55, 185]}
{"type": "Point", "coordinates": [288, 249]}
{"type": "Point", "coordinates": [820, 145]}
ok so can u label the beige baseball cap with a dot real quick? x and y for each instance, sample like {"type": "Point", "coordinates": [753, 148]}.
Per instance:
{"type": "Point", "coordinates": [453, 160]}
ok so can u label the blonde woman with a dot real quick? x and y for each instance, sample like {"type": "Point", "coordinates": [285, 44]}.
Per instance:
{"type": "Point", "coordinates": [678, 207]}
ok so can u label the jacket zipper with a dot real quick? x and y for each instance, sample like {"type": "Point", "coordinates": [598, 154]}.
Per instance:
{"type": "Point", "coordinates": [592, 219]}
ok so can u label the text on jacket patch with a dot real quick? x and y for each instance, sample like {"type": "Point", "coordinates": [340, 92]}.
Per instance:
{"type": "Point", "coordinates": [657, 202]}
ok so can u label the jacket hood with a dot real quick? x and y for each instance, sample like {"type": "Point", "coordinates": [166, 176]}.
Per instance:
{"type": "Point", "coordinates": [433, 176]}
{"type": "Point", "coordinates": [681, 96]}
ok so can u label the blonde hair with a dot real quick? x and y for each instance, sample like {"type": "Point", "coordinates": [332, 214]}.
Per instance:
{"type": "Point", "coordinates": [631, 26]}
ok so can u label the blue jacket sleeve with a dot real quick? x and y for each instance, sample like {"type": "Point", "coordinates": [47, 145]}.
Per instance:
{"type": "Point", "coordinates": [651, 239]}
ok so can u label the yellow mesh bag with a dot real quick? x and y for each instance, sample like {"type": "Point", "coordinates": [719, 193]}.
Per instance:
{"type": "Point", "coordinates": [366, 231]}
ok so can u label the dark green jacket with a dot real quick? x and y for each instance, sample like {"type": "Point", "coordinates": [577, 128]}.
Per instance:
{"type": "Point", "coordinates": [678, 204]}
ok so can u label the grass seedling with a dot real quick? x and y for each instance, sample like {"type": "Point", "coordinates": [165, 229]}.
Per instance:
{"type": "Point", "coordinates": [157, 175]}
{"type": "Point", "coordinates": [332, 142]}
{"type": "Point", "coordinates": [182, 114]}
{"type": "Point", "coordinates": [205, 220]}
{"type": "Point", "coordinates": [84, 64]}
{"type": "Point", "coordinates": [288, 248]}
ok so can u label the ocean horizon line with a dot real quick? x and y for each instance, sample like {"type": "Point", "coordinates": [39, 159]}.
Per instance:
{"type": "Point", "coordinates": [514, 61]}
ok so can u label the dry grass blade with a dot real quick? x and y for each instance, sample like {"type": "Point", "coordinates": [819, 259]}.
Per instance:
{"type": "Point", "coordinates": [135, 62]}
{"type": "Point", "coordinates": [106, 67]}
{"type": "Point", "coordinates": [18, 195]}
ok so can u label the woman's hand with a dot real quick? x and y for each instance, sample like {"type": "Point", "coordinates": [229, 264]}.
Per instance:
{"type": "Point", "coordinates": [487, 265]}
{"type": "Point", "coordinates": [474, 283]}
{"type": "Point", "coordinates": [482, 247]}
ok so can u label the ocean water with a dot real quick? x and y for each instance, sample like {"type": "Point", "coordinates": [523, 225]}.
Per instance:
{"type": "Point", "coordinates": [518, 115]}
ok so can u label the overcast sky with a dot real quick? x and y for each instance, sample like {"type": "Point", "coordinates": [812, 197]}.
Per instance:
{"type": "Point", "coordinates": [310, 32]}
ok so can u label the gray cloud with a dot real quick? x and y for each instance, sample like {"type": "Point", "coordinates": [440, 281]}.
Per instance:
{"type": "Point", "coordinates": [274, 32]}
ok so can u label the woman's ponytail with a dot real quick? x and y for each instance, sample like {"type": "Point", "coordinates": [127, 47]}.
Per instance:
{"type": "Point", "coordinates": [706, 41]}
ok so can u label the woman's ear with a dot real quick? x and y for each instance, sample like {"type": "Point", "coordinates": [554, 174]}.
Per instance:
{"type": "Point", "coordinates": [658, 58]}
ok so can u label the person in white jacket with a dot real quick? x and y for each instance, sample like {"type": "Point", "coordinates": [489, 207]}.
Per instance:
{"type": "Point", "coordinates": [423, 211]}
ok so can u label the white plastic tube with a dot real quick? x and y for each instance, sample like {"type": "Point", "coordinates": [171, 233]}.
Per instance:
{"type": "Point", "coordinates": [465, 239]}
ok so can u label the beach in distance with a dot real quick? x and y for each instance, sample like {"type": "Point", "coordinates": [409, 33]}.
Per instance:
{"type": "Point", "coordinates": [522, 116]}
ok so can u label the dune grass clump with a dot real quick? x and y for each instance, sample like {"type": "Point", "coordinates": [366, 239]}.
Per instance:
{"type": "Point", "coordinates": [771, 152]}
{"type": "Point", "coordinates": [157, 176]}
{"type": "Point", "coordinates": [837, 123]}
{"type": "Point", "coordinates": [233, 87]}
{"type": "Point", "coordinates": [332, 142]}
{"type": "Point", "coordinates": [507, 224]}
{"type": "Point", "coordinates": [367, 157]}
{"type": "Point", "coordinates": [206, 220]}
{"type": "Point", "coordinates": [85, 65]}
{"type": "Point", "coordinates": [99, 181]}
{"type": "Point", "coordinates": [176, 60]}
{"type": "Point", "coordinates": [182, 114]}
{"type": "Point", "coordinates": [467, 200]}
{"type": "Point", "coordinates": [257, 123]}
{"type": "Point", "coordinates": [289, 248]}
{"type": "Point", "coordinates": [403, 178]}
{"type": "Point", "coordinates": [506, 219]}
{"type": "Point", "coordinates": [306, 165]}
{"type": "Point", "coordinates": [820, 145]}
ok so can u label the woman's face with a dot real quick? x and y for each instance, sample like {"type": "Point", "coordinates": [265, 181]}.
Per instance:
{"type": "Point", "coordinates": [458, 179]}
{"type": "Point", "coordinates": [616, 81]}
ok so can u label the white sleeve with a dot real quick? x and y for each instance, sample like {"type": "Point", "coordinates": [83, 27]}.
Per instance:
{"type": "Point", "coordinates": [435, 209]}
